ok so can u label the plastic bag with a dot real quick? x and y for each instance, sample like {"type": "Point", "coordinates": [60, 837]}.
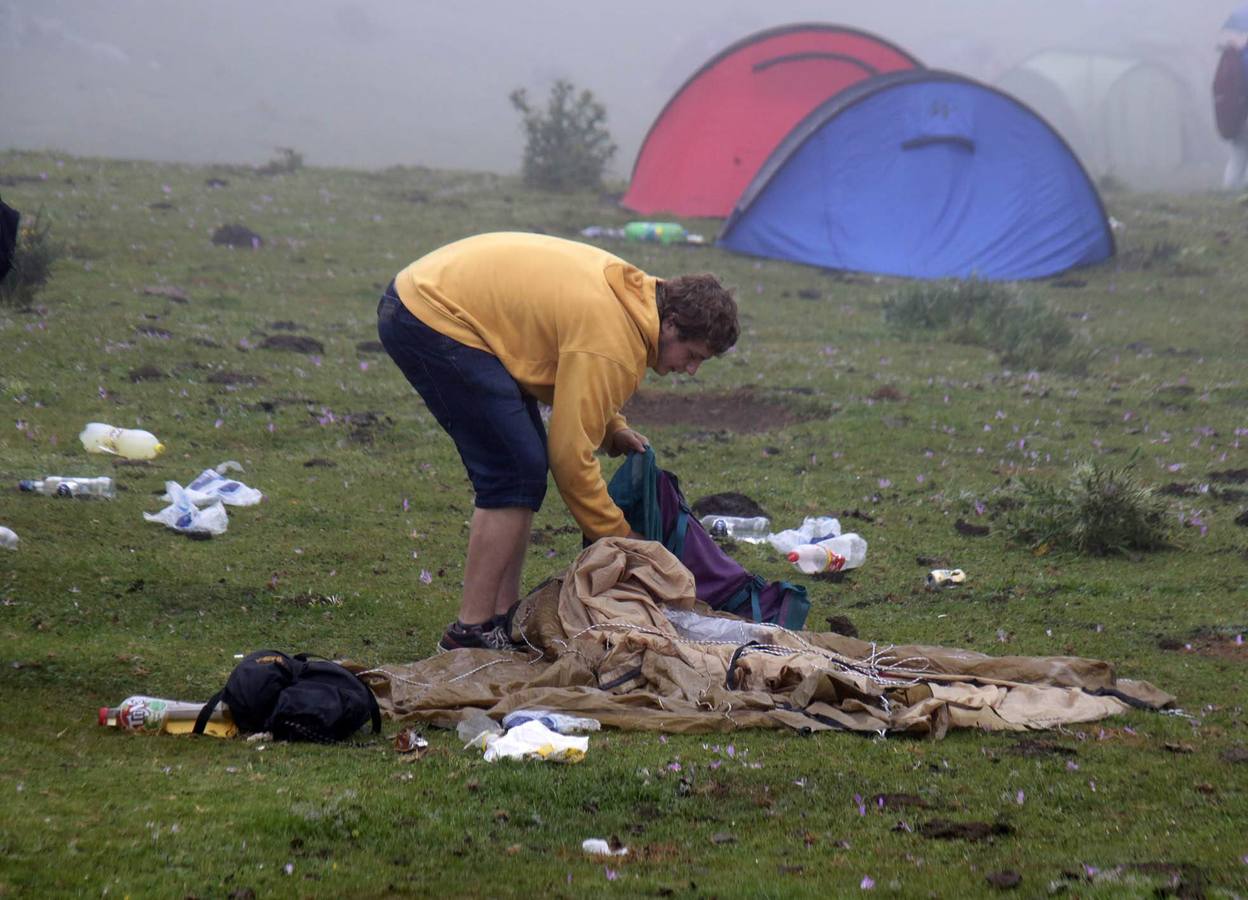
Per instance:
{"type": "Point", "coordinates": [533, 740]}
{"type": "Point", "coordinates": [210, 486]}
{"type": "Point", "coordinates": [811, 531]}
{"type": "Point", "coordinates": [184, 516]}
{"type": "Point", "coordinates": [555, 721]}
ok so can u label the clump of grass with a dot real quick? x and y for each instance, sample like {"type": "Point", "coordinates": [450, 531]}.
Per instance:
{"type": "Point", "coordinates": [1100, 510]}
{"type": "Point", "coordinates": [33, 256]}
{"type": "Point", "coordinates": [1023, 331]}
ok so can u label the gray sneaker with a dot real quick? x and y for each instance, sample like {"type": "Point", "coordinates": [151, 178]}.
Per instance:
{"type": "Point", "coordinates": [486, 636]}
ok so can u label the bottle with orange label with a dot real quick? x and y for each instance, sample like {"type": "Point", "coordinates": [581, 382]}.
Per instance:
{"type": "Point", "coordinates": [847, 551]}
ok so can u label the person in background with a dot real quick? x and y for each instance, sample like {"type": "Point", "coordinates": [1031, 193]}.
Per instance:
{"type": "Point", "coordinates": [486, 327]}
{"type": "Point", "coordinates": [1230, 102]}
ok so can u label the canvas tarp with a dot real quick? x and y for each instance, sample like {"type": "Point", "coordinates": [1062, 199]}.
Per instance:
{"type": "Point", "coordinates": [621, 638]}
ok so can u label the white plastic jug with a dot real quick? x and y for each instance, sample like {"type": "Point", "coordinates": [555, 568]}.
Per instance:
{"type": "Point", "coordinates": [131, 443]}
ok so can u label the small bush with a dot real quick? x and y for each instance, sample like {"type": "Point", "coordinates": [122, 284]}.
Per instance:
{"type": "Point", "coordinates": [287, 161]}
{"type": "Point", "coordinates": [33, 256]}
{"type": "Point", "coordinates": [1100, 510]}
{"type": "Point", "coordinates": [568, 145]}
{"type": "Point", "coordinates": [1024, 332]}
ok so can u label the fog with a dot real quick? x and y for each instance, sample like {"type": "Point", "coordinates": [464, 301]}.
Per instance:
{"type": "Point", "coordinates": [374, 83]}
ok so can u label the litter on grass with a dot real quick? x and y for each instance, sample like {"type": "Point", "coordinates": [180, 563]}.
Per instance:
{"type": "Point", "coordinates": [599, 847]}
{"type": "Point", "coordinates": [210, 486]}
{"type": "Point", "coordinates": [533, 740]}
{"type": "Point", "coordinates": [184, 516]}
{"type": "Point", "coordinates": [811, 531]}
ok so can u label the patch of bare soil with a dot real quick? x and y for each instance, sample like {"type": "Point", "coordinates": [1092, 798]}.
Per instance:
{"type": "Point", "coordinates": [1206, 642]}
{"type": "Point", "coordinates": [729, 503]}
{"type": "Point", "coordinates": [945, 830]}
{"type": "Point", "coordinates": [229, 377]}
{"type": "Point", "coordinates": [293, 342]}
{"type": "Point", "coordinates": [739, 411]}
{"type": "Point", "coordinates": [146, 373]}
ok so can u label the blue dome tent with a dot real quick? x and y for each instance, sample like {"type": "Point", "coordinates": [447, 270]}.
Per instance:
{"type": "Point", "coordinates": [924, 174]}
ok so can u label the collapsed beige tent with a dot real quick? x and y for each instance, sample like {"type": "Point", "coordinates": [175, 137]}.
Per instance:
{"type": "Point", "coordinates": [621, 638]}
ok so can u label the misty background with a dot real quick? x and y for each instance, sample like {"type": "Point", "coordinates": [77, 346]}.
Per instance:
{"type": "Point", "coordinates": [375, 83]}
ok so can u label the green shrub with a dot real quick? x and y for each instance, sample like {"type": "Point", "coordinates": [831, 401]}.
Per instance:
{"type": "Point", "coordinates": [33, 257]}
{"type": "Point", "coordinates": [1100, 510]}
{"type": "Point", "coordinates": [568, 145]}
{"type": "Point", "coordinates": [287, 161]}
{"type": "Point", "coordinates": [1023, 331]}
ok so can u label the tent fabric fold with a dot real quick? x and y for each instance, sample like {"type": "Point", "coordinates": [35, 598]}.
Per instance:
{"type": "Point", "coordinates": [621, 638]}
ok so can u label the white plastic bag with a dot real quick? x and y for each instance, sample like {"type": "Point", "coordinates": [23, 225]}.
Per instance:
{"type": "Point", "coordinates": [555, 721]}
{"type": "Point", "coordinates": [211, 486]}
{"type": "Point", "coordinates": [811, 531]}
{"type": "Point", "coordinates": [182, 515]}
{"type": "Point", "coordinates": [533, 740]}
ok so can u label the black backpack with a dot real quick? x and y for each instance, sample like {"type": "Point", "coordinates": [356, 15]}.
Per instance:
{"type": "Point", "coordinates": [295, 698]}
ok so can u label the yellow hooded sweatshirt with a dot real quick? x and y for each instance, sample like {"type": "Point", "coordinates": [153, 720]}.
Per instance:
{"type": "Point", "coordinates": [575, 326]}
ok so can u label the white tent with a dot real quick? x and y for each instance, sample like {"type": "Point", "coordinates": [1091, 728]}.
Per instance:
{"type": "Point", "coordinates": [1129, 117]}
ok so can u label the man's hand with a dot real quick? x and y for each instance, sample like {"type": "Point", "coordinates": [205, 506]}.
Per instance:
{"type": "Point", "coordinates": [626, 440]}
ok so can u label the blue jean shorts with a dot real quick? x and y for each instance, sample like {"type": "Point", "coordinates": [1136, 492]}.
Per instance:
{"type": "Point", "coordinates": [495, 425]}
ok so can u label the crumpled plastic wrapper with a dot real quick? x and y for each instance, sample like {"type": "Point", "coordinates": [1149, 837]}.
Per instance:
{"type": "Point", "coordinates": [533, 740]}
{"type": "Point", "coordinates": [184, 516]}
{"type": "Point", "coordinates": [210, 486]}
{"type": "Point", "coordinates": [811, 530]}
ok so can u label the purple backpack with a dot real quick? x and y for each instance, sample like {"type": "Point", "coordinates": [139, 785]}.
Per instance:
{"type": "Point", "coordinates": [654, 506]}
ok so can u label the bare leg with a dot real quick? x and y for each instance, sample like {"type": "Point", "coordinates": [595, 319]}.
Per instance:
{"type": "Point", "coordinates": [497, 543]}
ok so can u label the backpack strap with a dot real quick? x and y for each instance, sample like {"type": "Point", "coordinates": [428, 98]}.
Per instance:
{"type": "Point", "coordinates": [201, 721]}
{"type": "Point", "coordinates": [749, 593]}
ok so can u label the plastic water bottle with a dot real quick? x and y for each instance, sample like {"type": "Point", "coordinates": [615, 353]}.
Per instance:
{"type": "Point", "coordinates": [848, 551]}
{"type": "Point", "coordinates": [60, 486]}
{"type": "Point", "coordinates": [656, 232]}
{"type": "Point", "coordinates": [8, 538]}
{"type": "Point", "coordinates": [751, 530]}
{"type": "Point", "coordinates": [130, 443]}
{"type": "Point", "coordinates": [155, 715]}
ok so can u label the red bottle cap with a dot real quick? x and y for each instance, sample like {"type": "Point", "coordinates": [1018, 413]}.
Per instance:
{"type": "Point", "coordinates": [793, 556]}
{"type": "Point", "coordinates": [103, 715]}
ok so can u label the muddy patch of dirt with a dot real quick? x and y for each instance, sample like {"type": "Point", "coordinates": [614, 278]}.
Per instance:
{"type": "Point", "coordinates": [233, 378]}
{"type": "Point", "coordinates": [740, 411]}
{"type": "Point", "coordinates": [970, 530]}
{"type": "Point", "coordinates": [729, 503]}
{"type": "Point", "coordinates": [1219, 643]}
{"type": "Point", "coordinates": [842, 625]}
{"type": "Point", "coordinates": [237, 236]}
{"type": "Point", "coordinates": [945, 830]}
{"type": "Point", "coordinates": [1032, 748]}
{"type": "Point", "coordinates": [168, 291]}
{"type": "Point", "coordinates": [1005, 880]}
{"type": "Point", "coordinates": [1232, 476]}
{"type": "Point", "coordinates": [370, 347]}
{"type": "Point", "coordinates": [146, 373]}
{"type": "Point", "coordinates": [293, 343]}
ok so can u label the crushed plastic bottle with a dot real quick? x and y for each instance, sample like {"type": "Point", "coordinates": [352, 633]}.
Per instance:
{"type": "Point", "coordinates": [656, 232]}
{"type": "Point", "coordinates": [100, 487]}
{"type": "Point", "coordinates": [751, 530]}
{"type": "Point", "coordinates": [8, 538]}
{"type": "Point", "coordinates": [848, 551]}
{"type": "Point", "coordinates": [129, 443]}
{"type": "Point", "coordinates": [940, 578]}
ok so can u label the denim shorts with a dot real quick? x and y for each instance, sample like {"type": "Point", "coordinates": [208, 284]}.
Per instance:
{"type": "Point", "coordinates": [495, 425]}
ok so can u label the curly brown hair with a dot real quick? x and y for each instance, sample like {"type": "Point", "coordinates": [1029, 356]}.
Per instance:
{"type": "Point", "coordinates": [701, 308]}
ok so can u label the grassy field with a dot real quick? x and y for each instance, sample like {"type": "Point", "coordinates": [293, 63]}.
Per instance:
{"type": "Point", "coordinates": [357, 549]}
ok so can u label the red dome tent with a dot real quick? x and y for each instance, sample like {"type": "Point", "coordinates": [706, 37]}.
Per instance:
{"type": "Point", "coordinates": [722, 124]}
